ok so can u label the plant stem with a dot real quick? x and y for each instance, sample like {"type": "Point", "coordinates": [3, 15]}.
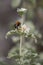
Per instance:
{"type": "Point", "coordinates": [21, 37]}
{"type": "Point", "coordinates": [20, 45]}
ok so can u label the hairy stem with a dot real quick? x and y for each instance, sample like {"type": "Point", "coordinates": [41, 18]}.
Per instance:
{"type": "Point", "coordinates": [20, 45]}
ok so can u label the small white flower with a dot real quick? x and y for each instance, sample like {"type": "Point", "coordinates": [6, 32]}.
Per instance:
{"type": "Point", "coordinates": [14, 38]}
{"type": "Point", "coordinates": [21, 10]}
{"type": "Point", "coordinates": [25, 29]}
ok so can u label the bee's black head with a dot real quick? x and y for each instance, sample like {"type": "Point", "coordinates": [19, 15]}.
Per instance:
{"type": "Point", "coordinates": [17, 24]}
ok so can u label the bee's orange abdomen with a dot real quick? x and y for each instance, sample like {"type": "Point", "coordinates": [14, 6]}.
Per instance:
{"type": "Point", "coordinates": [18, 23]}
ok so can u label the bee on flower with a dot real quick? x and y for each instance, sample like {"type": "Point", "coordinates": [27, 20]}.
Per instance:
{"type": "Point", "coordinates": [17, 24]}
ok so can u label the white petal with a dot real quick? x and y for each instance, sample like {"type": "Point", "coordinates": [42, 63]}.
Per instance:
{"type": "Point", "coordinates": [22, 9]}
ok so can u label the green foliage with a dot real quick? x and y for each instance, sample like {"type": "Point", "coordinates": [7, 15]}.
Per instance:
{"type": "Point", "coordinates": [28, 56]}
{"type": "Point", "coordinates": [32, 2]}
{"type": "Point", "coordinates": [30, 14]}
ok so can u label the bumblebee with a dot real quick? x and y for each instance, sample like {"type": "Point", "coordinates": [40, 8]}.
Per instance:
{"type": "Point", "coordinates": [17, 24]}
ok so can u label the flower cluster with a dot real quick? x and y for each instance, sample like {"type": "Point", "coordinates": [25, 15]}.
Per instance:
{"type": "Point", "coordinates": [25, 29]}
{"type": "Point", "coordinates": [21, 11]}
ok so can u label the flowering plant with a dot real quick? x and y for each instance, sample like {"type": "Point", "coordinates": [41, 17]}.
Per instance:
{"type": "Point", "coordinates": [23, 56]}
{"type": "Point", "coordinates": [23, 30]}
{"type": "Point", "coordinates": [21, 11]}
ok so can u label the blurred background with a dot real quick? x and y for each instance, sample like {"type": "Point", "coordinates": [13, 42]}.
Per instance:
{"type": "Point", "coordinates": [33, 19]}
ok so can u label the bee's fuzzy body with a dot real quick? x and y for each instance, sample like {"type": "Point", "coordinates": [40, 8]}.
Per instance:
{"type": "Point", "coordinates": [17, 24]}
